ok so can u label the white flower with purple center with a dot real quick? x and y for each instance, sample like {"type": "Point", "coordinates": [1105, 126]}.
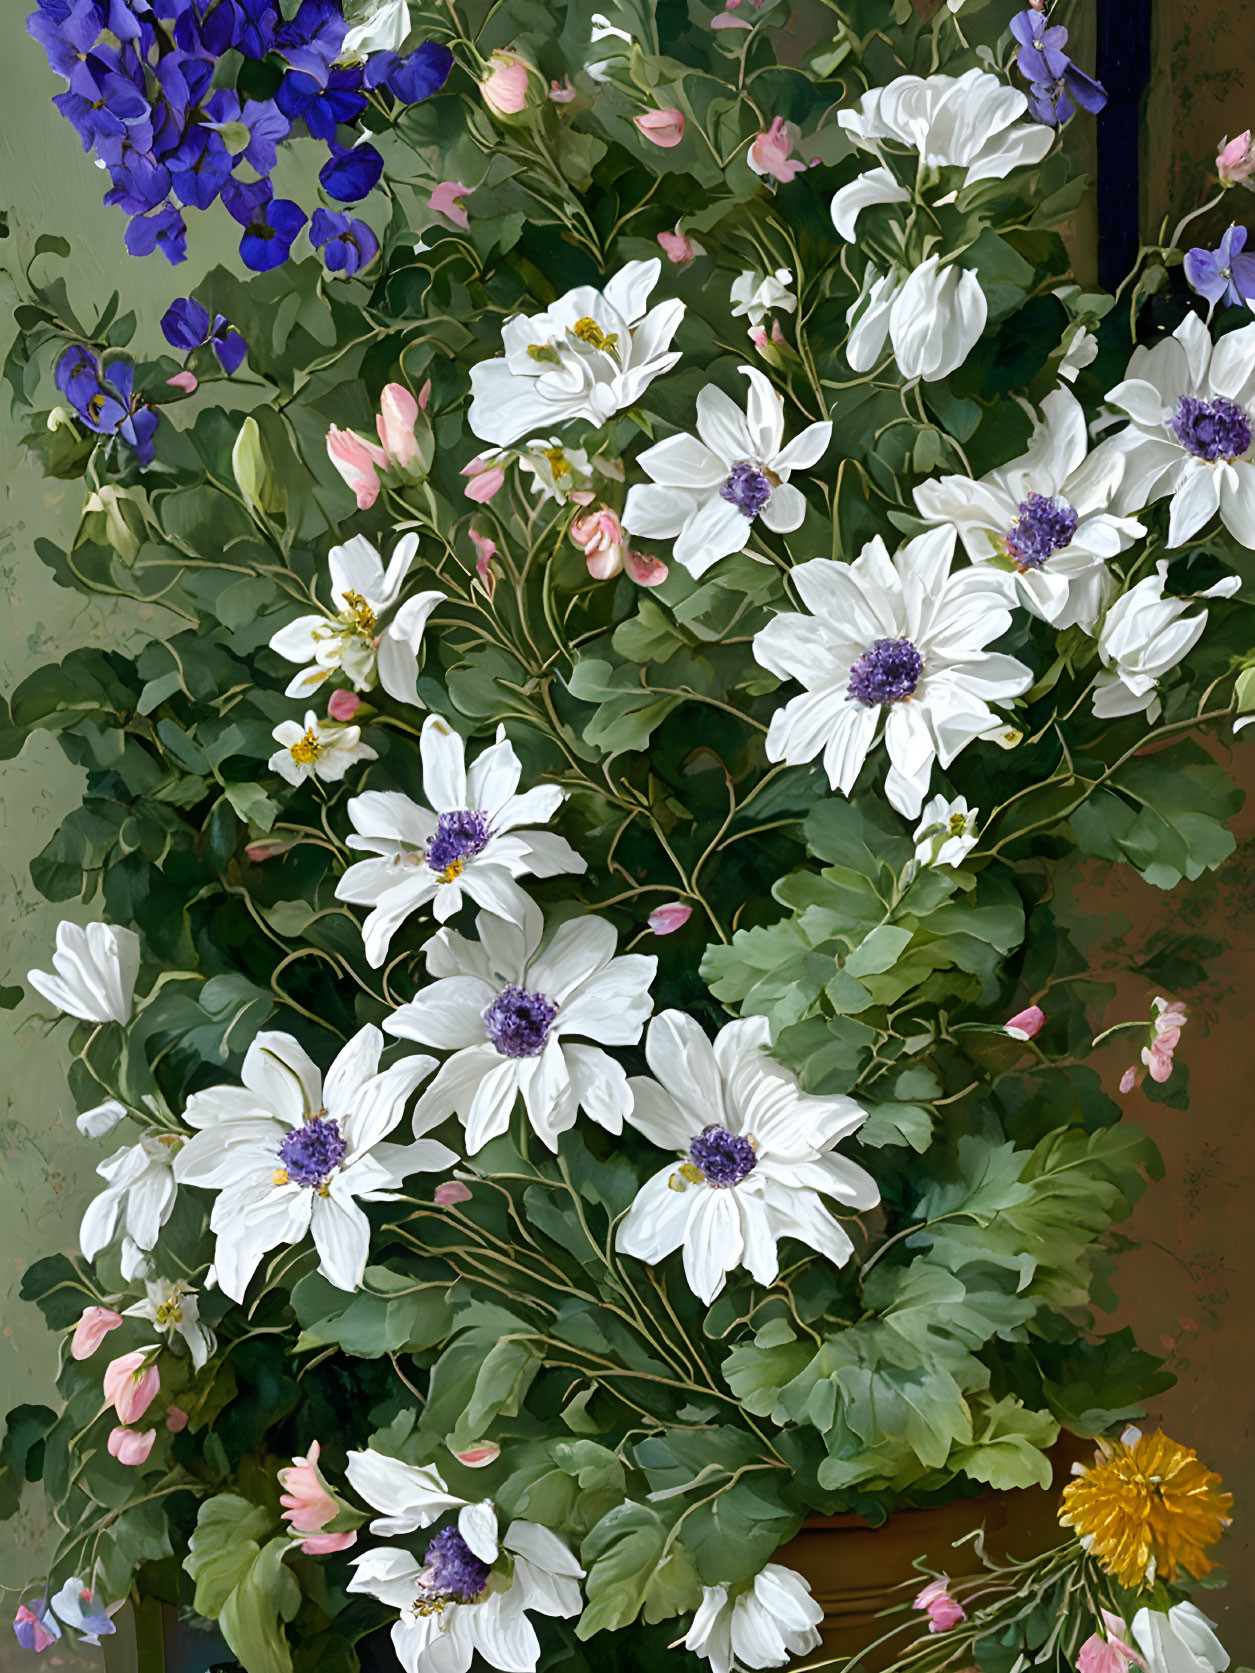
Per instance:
{"type": "Point", "coordinates": [371, 638]}
{"type": "Point", "coordinates": [759, 1623]}
{"type": "Point", "coordinates": [290, 1154]}
{"type": "Point", "coordinates": [470, 1591]}
{"type": "Point", "coordinates": [709, 489]}
{"type": "Point", "coordinates": [1142, 637]}
{"type": "Point", "coordinates": [515, 1015]}
{"type": "Point", "coordinates": [1191, 408]}
{"type": "Point", "coordinates": [892, 647]}
{"type": "Point", "coordinates": [755, 1156]}
{"type": "Point", "coordinates": [1044, 517]}
{"type": "Point", "coordinates": [589, 355]}
{"type": "Point", "coordinates": [469, 843]}
{"type": "Point", "coordinates": [317, 749]}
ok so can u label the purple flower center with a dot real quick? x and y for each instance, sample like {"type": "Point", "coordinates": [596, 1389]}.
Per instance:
{"type": "Point", "coordinates": [1043, 527]}
{"type": "Point", "coordinates": [887, 671]}
{"type": "Point", "coordinates": [459, 837]}
{"type": "Point", "coordinates": [723, 1157]}
{"type": "Point", "coordinates": [518, 1022]}
{"type": "Point", "coordinates": [312, 1153]}
{"type": "Point", "coordinates": [747, 488]}
{"type": "Point", "coordinates": [1217, 429]}
{"type": "Point", "coordinates": [452, 1571]}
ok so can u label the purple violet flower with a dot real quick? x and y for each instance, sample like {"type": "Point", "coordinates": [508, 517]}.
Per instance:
{"type": "Point", "coordinates": [1223, 274]}
{"type": "Point", "coordinates": [1056, 85]}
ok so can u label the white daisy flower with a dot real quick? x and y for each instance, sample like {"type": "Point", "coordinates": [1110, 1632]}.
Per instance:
{"type": "Point", "coordinates": [139, 1198]}
{"type": "Point", "coordinates": [946, 833]}
{"type": "Point", "coordinates": [708, 492]}
{"type": "Point", "coordinates": [469, 845]}
{"type": "Point", "coordinates": [759, 1624]}
{"type": "Point", "coordinates": [318, 749]}
{"type": "Point", "coordinates": [757, 1155]}
{"type": "Point", "coordinates": [933, 316]}
{"type": "Point", "coordinates": [758, 294]}
{"type": "Point", "coordinates": [175, 1309]}
{"type": "Point", "coordinates": [1192, 408]}
{"type": "Point", "coordinates": [290, 1154]}
{"type": "Point", "coordinates": [352, 643]}
{"type": "Point", "coordinates": [588, 356]}
{"type": "Point", "coordinates": [900, 640]}
{"type": "Point", "coordinates": [1044, 517]}
{"type": "Point", "coordinates": [471, 1590]}
{"type": "Point", "coordinates": [1143, 635]}
{"type": "Point", "coordinates": [507, 1011]}
{"type": "Point", "coordinates": [93, 972]}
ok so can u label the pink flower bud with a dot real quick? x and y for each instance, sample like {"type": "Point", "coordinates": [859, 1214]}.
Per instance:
{"type": "Point", "coordinates": [758, 336]}
{"type": "Point", "coordinates": [176, 1419]}
{"type": "Point", "coordinates": [663, 128]}
{"type": "Point", "coordinates": [505, 87]}
{"type": "Point", "coordinates": [446, 200]}
{"type": "Point", "coordinates": [943, 1611]}
{"type": "Point", "coordinates": [91, 1330]}
{"type": "Point", "coordinates": [448, 1193]}
{"type": "Point", "coordinates": [131, 1446]}
{"type": "Point", "coordinates": [769, 153]}
{"type": "Point", "coordinates": [1024, 1024]}
{"type": "Point", "coordinates": [355, 460]}
{"type": "Point", "coordinates": [644, 568]}
{"type": "Point", "coordinates": [322, 1545]}
{"type": "Point", "coordinates": [258, 852]}
{"type": "Point", "coordinates": [679, 248]}
{"type": "Point", "coordinates": [485, 482]}
{"type": "Point", "coordinates": [665, 920]}
{"type": "Point", "coordinates": [480, 1456]}
{"type": "Point", "coordinates": [1108, 1652]}
{"type": "Point", "coordinates": [487, 549]}
{"type": "Point", "coordinates": [725, 20]}
{"type": "Point", "coordinates": [343, 705]}
{"type": "Point", "coordinates": [424, 395]}
{"type": "Point", "coordinates": [1235, 161]}
{"type": "Point", "coordinates": [1128, 1080]}
{"type": "Point", "coordinates": [131, 1384]}
{"type": "Point", "coordinates": [561, 92]}
{"type": "Point", "coordinates": [307, 1504]}
{"type": "Point", "coordinates": [35, 1628]}
{"type": "Point", "coordinates": [188, 382]}
{"type": "Point", "coordinates": [600, 535]}
{"type": "Point", "coordinates": [398, 414]}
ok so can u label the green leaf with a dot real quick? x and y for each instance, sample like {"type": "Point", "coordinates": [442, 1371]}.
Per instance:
{"type": "Point", "coordinates": [636, 1566]}
{"type": "Point", "coordinates": [243, 1584]}
{"type": "Point", "coordinates": [1008, 1446]}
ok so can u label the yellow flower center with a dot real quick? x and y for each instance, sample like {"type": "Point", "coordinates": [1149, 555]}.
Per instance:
{"type": "Point", "coordinates": [559, 464]}
{"type": "Point", "coordinates": [1148, 1509]}
{"type": "Point", "coordinates": [169, 1311]}
{"type": "Point", "coordinates": [305, 751]}
{"type": "Point", "coordinates": [588, 331]}
{"type": "Point", "coordinates": [279, 1177]}
{"type": "Point", "coordinates": [958, 824]}
{"type": "Point", "coordinates": [685, 1175]}
{"type": "Point", "coordinates": [454, 869]}
{"type": "Point", "coordinates": [358, 615]}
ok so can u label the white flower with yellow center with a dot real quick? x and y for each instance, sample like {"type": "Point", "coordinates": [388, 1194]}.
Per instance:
{"type": "Point", "coordinates": [755, 1156]}
{"type": "Point", "coordinates": [371, 638]}
{"type": "Point", "coordinates": [290, 1154]}
{"type": "Point", "coordinates": [588, 356]}
{"type": "Point", "coordinates": [174, 1309]}
{"type": "Point", "coordinates": [946, 833]}
{"type": "Point", "coordinates": [468, 843]}
{"type": "Point", "coordinates": [317, 749]}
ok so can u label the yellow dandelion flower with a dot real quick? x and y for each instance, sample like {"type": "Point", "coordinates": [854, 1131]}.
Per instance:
{"type": "Point", "coordinates": [1146, 1508]}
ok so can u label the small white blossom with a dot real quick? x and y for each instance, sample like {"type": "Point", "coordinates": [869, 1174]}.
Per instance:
{"type": "Point", "coordinates": [175, 1309]}
{"type": "Point", "coordinates": [933, 317]}
{"type": "Point", "coordinates": [384, 27]}
{"type": "Point", "coordinates": [139, 1198]}
{"type": "Point", "coordinates": [93, 972]}
{"type": "Point", "coordinates": [758, 294]}
{"type": "Point", "coordinates": [946, 834]}
{"type": "Point", "coordinates": [758, 1624]}
{"type": "Point", "coordinates": [318, 749]}
{"type": "Point", "coordinates": [1143, 635]}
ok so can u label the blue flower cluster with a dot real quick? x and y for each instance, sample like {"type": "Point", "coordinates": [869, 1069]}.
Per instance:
{"type": "Point", "coordinates": [143, 92]}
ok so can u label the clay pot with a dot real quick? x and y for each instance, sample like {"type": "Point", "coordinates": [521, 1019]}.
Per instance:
{"type": "Point", "coordinates": [856, 1570]}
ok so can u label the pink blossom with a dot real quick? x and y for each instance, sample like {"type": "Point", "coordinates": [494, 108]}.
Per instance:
{"type": "Point", "coordinates": [131, 1384]}
{"type": "Point", "coordinates": [769, 153]}
{"type": "Point", "coordinates": [447, 200]}
{"type": "Point", "coordinates": [725, 20]}
{"type": "Point", "coordinates": [258, 852]}
{"type": "Point", "coordinates": [322, 1545]}
{"type": "Point", "coordinates": [679, 248]}
{"type": "Point", "coordinates": [176, 1419]}
{"type": "Point", "coordinates": [504, 88]}
{"type": "Point", "coordinates": [561, 92]}
{"type": "Point", "coordinates": [36, 1625]}
{"type": "Point", "coordinates": [664, 128]}
{"type": "Point", "coordinates": [1108, 1652]}
{"type": "Point", "coordinates": [478, 1457]}
{"type": "Point", "coordinates": [600, 535]}
{"type": "Point", "coordinates": [485, 483]}
{"type": "Point", "coordinates": [665, 920]}
{"type": "Point", "coordinates": [486, 546]}
{"type": "Point", "coordinates": [1166, 1025]}
{"type": "Point", "coordinates": [131, 1446]}
{"type": "Point", "coordinates": [188, 382]}
{"type": "Point", "coordinates": [91, 1330]}
{"type": "Point", "coordinates": [943, 1611]}
{"type": "Point", "coordinates": [398, 414]}
{"type": "Point", "coordinates": [1024, 1024]}
{"type": "Point", "coordinates": [644, 568]}
{"type": "Point", "coordinates": [343, 705]}
{"type": "Point", "coordinates": [449, 1192]}
{"type": "Point", "coordinates": [1128, 1080]}
{"type": "Point", "coordinates": [307, 1504]}
{"type": "Point", "coordinates": [355, 460]}
{"type": "Point", "coordinates": [1235, 161]}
